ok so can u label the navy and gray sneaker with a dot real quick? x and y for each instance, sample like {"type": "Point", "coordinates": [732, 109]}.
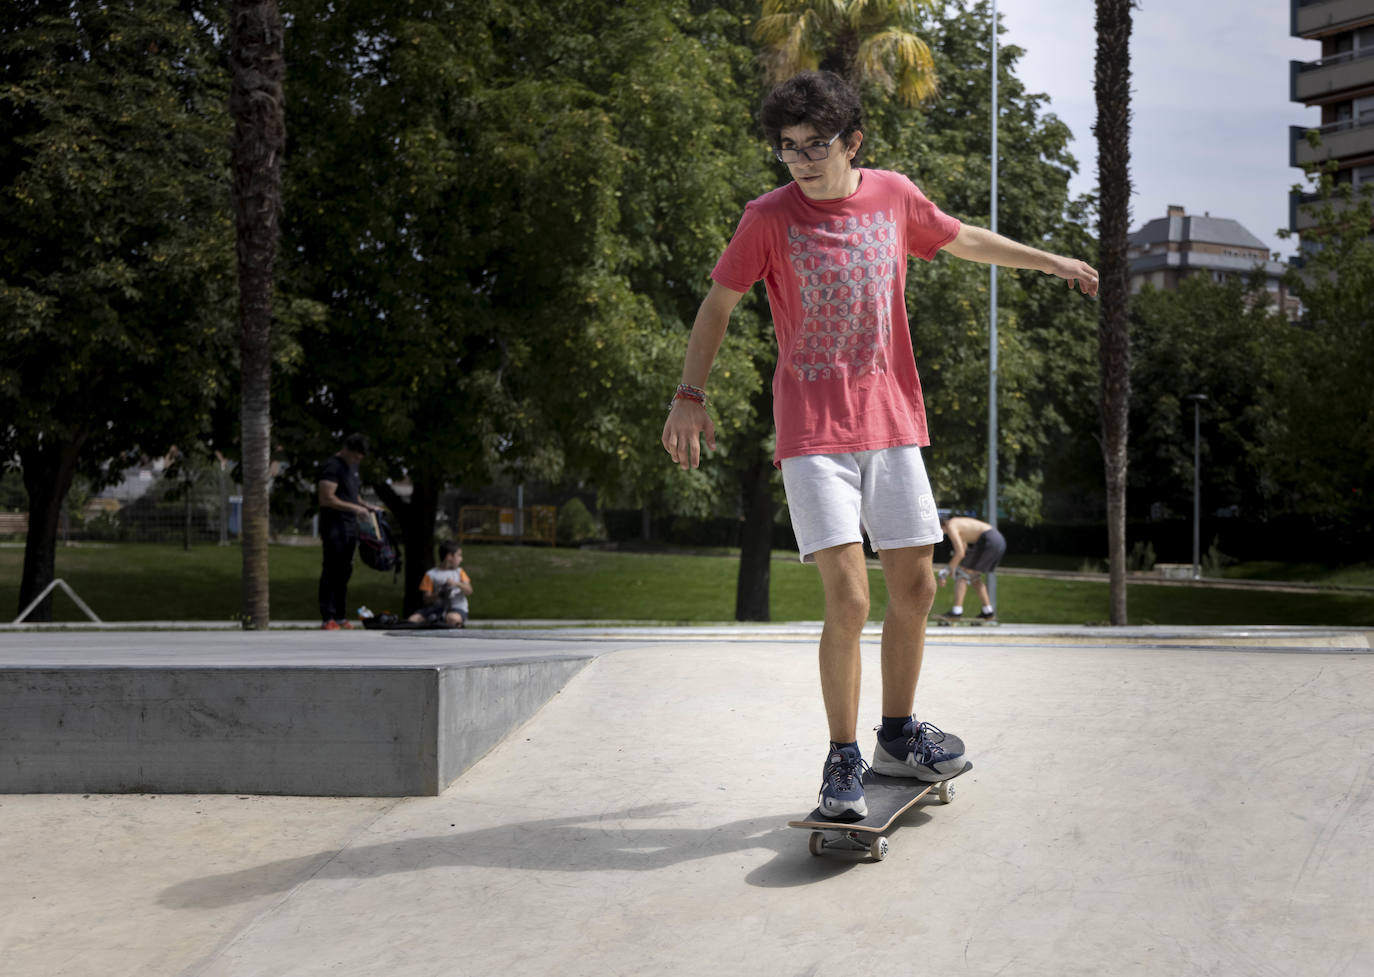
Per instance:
{"type": "Point", "coordinates": [923, 751]}
{"type": "Point", "coordinates": [842, 789]}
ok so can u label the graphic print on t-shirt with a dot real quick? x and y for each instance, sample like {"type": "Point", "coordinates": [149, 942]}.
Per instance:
{"type": "Point", "coordinates": [846, 270]}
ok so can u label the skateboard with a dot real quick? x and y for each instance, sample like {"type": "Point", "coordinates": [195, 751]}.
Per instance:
{"type": "Point", "coordinates": [888, 799]}
{"type": "Point", "coordinates": [976, 622]}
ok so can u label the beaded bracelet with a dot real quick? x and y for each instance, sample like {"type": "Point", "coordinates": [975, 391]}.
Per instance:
{"type": "Point", "coordinates": [685, 391]}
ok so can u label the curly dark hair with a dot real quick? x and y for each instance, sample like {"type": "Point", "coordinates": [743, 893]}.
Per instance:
{"type": "Point", "coordinates": [821, 98]}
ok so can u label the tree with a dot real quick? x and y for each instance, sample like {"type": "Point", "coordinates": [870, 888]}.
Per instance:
{"type": "Point", "coordinates": [869, 43]}
{"type": "Point", "coordinates": [1324, 402]}
{"type": "Point", "coordinates": [1113, 90]}
{"type": "Point", "coordinates": [115, 271]}
{"type": "Point", "coordinates": [1218, 339]}
{"type": "Point", "coordinates": [463, 190]}
{"type": "Point", "coordinates": [256, 105]}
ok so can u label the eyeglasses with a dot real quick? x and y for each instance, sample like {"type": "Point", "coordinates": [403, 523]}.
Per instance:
{"type": "Point", "coordinates": [815, 152]}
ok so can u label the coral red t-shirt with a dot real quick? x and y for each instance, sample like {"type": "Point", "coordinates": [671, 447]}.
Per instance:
{"type": "Point", "coordinates": [835, 271]}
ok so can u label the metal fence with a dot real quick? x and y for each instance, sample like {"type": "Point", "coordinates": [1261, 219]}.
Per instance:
{"type": "Point", "coordinates": [200, 516]}
{"type": "Point", "coordinates": [530, 524]}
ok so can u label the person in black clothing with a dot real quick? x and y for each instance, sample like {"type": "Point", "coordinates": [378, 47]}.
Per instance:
{"type": "Point", "coordinates": [340, 496]}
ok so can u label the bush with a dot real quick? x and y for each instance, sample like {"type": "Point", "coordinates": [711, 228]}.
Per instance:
{"type": "Point", "coordinates": [1214, 560]}
{"type": "Point", "coordinates": [1142, 556]}
{"type": "Point", "coordinates": [576, 524]}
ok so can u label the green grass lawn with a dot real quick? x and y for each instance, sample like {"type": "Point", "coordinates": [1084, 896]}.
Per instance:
{"type": "Point", "coordinates": [147, 581]}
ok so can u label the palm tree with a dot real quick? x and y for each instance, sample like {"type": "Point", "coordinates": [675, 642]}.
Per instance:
{"type": "Point", "coordinates": [256, 104]}
{"type": "Point", "coordinates": [1113, 89]}
{"type": "Point", "coordinates": [866, 42]}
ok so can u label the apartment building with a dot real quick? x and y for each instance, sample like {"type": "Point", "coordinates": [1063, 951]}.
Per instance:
{"type": "Point", "coordinates": [1341, 83]}
{"type": "Point", "coordinates": [1178, 244]}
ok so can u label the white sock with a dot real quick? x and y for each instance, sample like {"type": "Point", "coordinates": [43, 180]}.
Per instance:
{"type": "Point", "coordinates": [987, 608]}
{"type": "Point", "coordinates": [957, 609]}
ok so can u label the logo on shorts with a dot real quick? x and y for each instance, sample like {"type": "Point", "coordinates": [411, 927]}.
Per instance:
{"type": "Point", "coordinates": [927, 506]}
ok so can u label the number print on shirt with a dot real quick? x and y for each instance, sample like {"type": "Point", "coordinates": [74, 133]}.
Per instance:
{"type": "Point", "coordinates": [846, 271]}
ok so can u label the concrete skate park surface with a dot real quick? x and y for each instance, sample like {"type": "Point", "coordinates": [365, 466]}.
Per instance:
{"type": "Point", "coordinates": [1144, 802]}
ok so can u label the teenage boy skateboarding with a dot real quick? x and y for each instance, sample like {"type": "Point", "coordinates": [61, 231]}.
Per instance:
{"type": "Point", "coordinates": [831, 248]}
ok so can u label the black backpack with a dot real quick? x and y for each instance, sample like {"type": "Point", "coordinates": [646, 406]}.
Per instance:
{"type": "Point", "coordinates": [378, 549]}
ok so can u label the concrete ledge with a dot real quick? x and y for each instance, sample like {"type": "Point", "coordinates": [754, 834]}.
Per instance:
{"type": "Point", "coordinates": [380, 729]}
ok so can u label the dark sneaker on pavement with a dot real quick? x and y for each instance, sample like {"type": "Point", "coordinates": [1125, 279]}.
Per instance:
{"type": "Point", "coordinates": [842, 789]}
{"type": "Point", "coordinates": [925, 752]}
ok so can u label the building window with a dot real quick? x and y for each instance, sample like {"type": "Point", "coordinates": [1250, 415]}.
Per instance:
{"type": "Point", "coordinates": [1364, 110]}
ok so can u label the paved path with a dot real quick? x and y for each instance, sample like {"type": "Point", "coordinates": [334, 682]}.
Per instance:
{"type": "Point", "coordinates": [1167, 801]}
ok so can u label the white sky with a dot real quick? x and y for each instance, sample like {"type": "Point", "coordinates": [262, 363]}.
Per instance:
{"type": "Point", "coordinates": [1210, 109]}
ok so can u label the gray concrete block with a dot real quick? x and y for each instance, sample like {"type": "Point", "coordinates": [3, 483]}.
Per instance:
{"type": "Point", "coordinates": [479, 705]}
{"type": "Point", "coordinates": [324, 731]}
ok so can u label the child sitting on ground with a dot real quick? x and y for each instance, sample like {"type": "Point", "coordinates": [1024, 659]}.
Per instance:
{"type": "Point", "coordinates": [446, 588]}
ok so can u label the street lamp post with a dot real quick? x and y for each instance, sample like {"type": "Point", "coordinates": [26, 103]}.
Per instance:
{"type": "Point", "coordinates": [1197, 400]}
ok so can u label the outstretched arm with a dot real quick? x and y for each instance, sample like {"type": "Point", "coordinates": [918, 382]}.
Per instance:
{"type": "Point", "coordinates": [979, 244]}
{"type": "Point", "coordinates": [688, 420]}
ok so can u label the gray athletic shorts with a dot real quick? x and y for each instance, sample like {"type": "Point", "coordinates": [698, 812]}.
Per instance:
{"type": "Point", "coordinates": [985, 553]}
{"type": "Point", "coordinates": [834, 499]}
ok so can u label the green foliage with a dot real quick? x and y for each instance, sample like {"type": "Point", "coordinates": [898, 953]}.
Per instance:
{"type": "Point", "coordinates": [870, 43]}
{"type": "Point", "coordinates": [13, 498]}
{"type": "Point", "coordinates": [1214, 561]}
{"type": "Point", "coordinates": [1216, 339]}
{"type": "Point", "coordinates": [576, 524]}
{"type": "Point", "coordinates": [1141, 557]}
{"type": "Point", "coordinates": [507, 240]}
{"type": "Point", "coordinates": [116, 269]}
{"type": "Point", "coordinates": [1325, 411]}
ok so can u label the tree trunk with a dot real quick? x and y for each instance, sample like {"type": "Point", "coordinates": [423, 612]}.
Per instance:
{"type": "Point", "coordinates": [416, 520]}
{"type": "Point", "coordinates": [48, 471]}
{"type": "Point", "coordinates": [1113, 89]}
{"type": "Point", "coordinates": [256, 104]}
{"type": "Point", "coordinates": [756, 545]}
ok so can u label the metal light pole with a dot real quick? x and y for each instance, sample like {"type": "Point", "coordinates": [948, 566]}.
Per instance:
{"type": "Point", "coordinates": [992, 323]}
{"type": "Point", "coordinates": [1197, 400]}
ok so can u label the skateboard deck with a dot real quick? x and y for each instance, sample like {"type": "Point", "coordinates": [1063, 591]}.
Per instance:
{"type": "Point", "coordinates": [888, 799]}
{"type": "Point", "coordinates": [974, 622]}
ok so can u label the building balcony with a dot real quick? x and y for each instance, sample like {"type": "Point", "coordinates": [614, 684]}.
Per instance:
{"type": "Point", "coordinates": [1321, 80]}
{"type": "Point", "coordinates": [1301, 207]}
{"type": "Point", "coordinates": [1313, 18]}
{"type": "Point", "coordinates": [1339, 140]}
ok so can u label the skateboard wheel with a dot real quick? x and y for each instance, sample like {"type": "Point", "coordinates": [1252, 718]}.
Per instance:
{"type": "Point", "coordinates": [878, 849]}
{"type": "Point", "coordinates": [946, 792]}
{"type": "Point", "coordinates": [815, 843]}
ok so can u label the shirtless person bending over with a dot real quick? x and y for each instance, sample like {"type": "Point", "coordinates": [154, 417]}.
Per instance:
{"type": "Point", "coordinates": [978, 548]}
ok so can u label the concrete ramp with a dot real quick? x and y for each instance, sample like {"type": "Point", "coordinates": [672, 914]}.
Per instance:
{"type": "Point", "coordinates": [327, 714]}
